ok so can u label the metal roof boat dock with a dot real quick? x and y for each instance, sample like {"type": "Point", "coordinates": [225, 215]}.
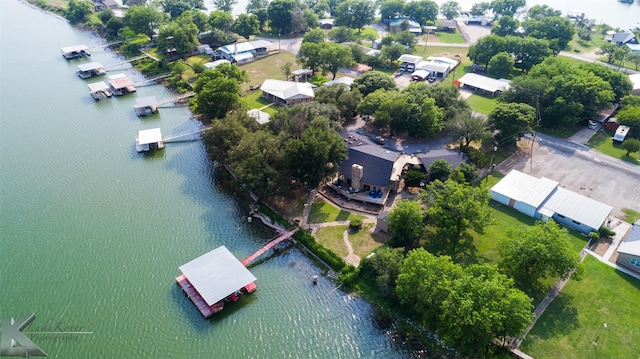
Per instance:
{"type": "Point", "coordinates": [99, 90]}
{"type": "Point", "coordinates": [214, 278]}
{"type": "Point", "coordinates": [76, 51]}
{"type": "Point", "coordinates": [91, 69]}
{"type": "Point", "coordinates": [148, 140]}
{"type": "Point", "coordinates": [146, 106]}
{"type": "Point", "coordinates": [120, 84]}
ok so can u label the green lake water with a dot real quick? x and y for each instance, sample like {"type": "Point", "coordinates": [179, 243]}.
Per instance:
{"type": "Point", "coordinates": [92, 233]}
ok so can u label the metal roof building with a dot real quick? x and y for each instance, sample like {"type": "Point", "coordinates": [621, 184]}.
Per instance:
{"type": "Point", "coordinates": [287, 92]}
{"type": "Point", "coordinates": [629, 250]}
{"type": "Point", "coordinates": [217, 274]}
{"type": "Point", "coordinates": [484, 84]}
{"type": "Point", "coordinates": [541, 198]}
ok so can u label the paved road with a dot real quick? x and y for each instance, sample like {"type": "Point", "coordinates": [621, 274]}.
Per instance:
{"type": "Point", "coordinates": [592, 57]}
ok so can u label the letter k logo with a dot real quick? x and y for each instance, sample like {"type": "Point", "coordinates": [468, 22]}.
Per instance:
{"type": "Point", "coordinates": [12, 335]}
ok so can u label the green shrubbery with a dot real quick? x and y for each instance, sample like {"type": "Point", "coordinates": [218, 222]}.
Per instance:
{"type": "Point", "coordinates": [332, 259]}
{"type": "Point", "coordinates": [606, 232]}
{"type": "Point", "coordinates": [355, 224]}
{"type": "Point", "coordinates": [476, 157]}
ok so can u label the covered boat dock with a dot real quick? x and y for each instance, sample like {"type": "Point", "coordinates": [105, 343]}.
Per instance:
{"type": "Point", "coordinates": [146, 106]}
{"type": "Point", "coordinates": [120, 85]}
{"type": "Point", "coordinates": [148, 140]}
{"type": "Point", "coordinates": [91, 69]}
{"type": "Point", "coordinates": [99, 90]}
{"type": "Point", "coordinates": [74, 52]}
{"type": "Point", "coordinates": [214, 278]}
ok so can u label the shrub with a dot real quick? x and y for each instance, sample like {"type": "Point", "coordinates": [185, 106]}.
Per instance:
{"type": "Point", "coordinates": [475, 156]}
{"type": "Point", "coordinates": [330, 258]}
{"type": "Point", "coordinates": [606, 232]}
{"type": "Point", "coordinates": [355, 224]}
{"type": "Point", "coordinates": [198, 67]}
{"type": "Point", "coordinates": [349, 276]}
{"type": "Point", "coordinates": [594, 235]}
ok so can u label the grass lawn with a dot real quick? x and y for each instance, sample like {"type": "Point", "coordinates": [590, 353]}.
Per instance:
{"type": "Point", "coordinates": [632, 216]}
{"type": "Point", "coordinates": [560, 132]}
{"type": "Point", "coordinates": [322, 211]}
{"type": "Point", "coordinates": [268, 68]}
{"type": "Point", "coordinates": [577, 316]}
{"type": "Point", "coordinates": [580, 46]}
{"type": "Point", "coordinates": [367, 34]}
{"type": "Point", "coordinates": [255, 100]}
{"type": "Point", "coordinates": [481, 103]}
{"type": "Point", "coordinates": [602, 142]}
{"type": "Point", "coordinates": [363, 242]}
{"type": "Point", "coordinates": [448, 37]}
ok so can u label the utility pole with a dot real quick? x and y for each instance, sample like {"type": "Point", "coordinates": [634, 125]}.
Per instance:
{"type": "Point", "coordinates": [495, 148]}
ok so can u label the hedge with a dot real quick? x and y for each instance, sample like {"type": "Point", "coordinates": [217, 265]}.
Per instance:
{"type": "Point", "coordinates": [332, 259]}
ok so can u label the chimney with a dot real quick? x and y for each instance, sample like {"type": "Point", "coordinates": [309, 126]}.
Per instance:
{"type": "Point", "coordinates": [356, 176]}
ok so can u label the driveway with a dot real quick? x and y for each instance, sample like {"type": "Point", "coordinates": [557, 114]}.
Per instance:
{"type": "Point", "coordinates": [580, 169]}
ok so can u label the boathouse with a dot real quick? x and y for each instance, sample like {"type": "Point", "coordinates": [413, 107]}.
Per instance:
{"type": "Point", "coordinates": [148, 140]}
{"type": "Point", "coordinates": [91, 69]}
{"type": "Point", "coordinates": [120, 85]}
{"type": "Point", "coordinates": [146, 106]}
{"type": "Point", "coordinates": [99, 90]}
{"type": "Point", "coordinates": [76, 51]}
{"type": "Point", "coordinates": [214, 278]}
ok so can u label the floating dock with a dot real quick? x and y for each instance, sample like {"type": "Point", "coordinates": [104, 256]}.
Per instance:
{"type": "Point", "coordinates": [148, 140]}
{"type": "Point", "coordinates": [120, 85]}
{"type": "Point", "coordinates": [100, 90]}
{"type": "Point", "coordinates": [213, 279]}
{"type": "Point", "coordinates": [74, 52]}
{"type": "Point", "coordinates": [146, 106]}
{"type": "Point", "coordinates": [91, 69]}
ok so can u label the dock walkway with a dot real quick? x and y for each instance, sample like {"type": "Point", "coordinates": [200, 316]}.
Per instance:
{"type": "Point", "coordinates": [267, 246]}
{"type": "Point", "coordinates": [195, 297]}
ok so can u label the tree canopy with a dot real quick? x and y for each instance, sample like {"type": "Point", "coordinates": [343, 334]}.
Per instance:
{"type": "Point", "coordinates": [450, 9]}
{"type": "Point", "coordinates": [355, 14]}
{"type": "Point", "coordinates": [510, 121]}
{"type": "Point", "coordinates": [371, 81]}
{"type": "Point", "coordinates": [406, 223]}
{"type": "Point", "coordinates": [143, 19]}
{"type": "Point", "coordinates": [78, 10]}
{"type": "Point", "coordinates": [279, 12]}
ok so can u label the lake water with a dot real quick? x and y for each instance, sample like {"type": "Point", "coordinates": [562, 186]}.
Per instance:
{"type": "Point", "coordinates": [92, 233]}
{"type": "Point", "coordinates": [610, 12]}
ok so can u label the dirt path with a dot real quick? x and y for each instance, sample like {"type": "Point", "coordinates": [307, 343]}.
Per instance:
{"type": "Point", "coordinates": [351, 258]}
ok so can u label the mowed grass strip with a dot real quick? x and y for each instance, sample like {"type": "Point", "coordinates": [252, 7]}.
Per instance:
{"type": "Point", "coordinates": [602, 142]}
{"type": "Point", "coordinates": [268, 68]}
{"type": "Point", "coordinates": [481, 104]}
{"type": "Point", "coordinates": [322, 211]}
{"type": "Point", "coordinates": [362, 242]}
{"type": "Point", "coordinates": [574, 320]}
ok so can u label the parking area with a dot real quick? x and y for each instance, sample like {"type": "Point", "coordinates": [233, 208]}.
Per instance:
{"type": "Point", "coordinates": [582, 172]}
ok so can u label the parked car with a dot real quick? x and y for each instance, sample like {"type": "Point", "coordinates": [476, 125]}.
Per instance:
{"type": "Point", "coordinates": [432, 79]}
{"type": "Point", "coordinates": [592, 125]}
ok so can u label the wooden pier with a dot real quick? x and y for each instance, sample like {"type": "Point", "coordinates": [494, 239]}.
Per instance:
{"type": "Point", "coordinates": [267, 246]}
{"type": "Point", "coordinates": [197, 299]}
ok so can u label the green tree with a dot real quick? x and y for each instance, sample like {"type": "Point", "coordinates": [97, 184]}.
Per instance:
{"type": "Point", "coordinates": [341, 34]}
{"type": "Point", "coordinates": [397, 113]}
{"type": "Point", "coordinates": [246, 25]}
{"type": "Point", "coordinates": [314, 35]}
{"type": "Point", "coordinates": [469, 127]}
{"type": "Point", "coordinates": [406, 38]}
{"type": "Point", "coordinates": [530, 254]}
{"type": "Point", "coordinates": [254, 5]}
{"type": "Point", "coordinates": [279, 12]}
{"type": "Point", "coordinates": [143, 20]}
{"type": "Point", "coordinates": [631, 145]}
{"type": "Point", "coordinates": [422, 11]}
{"type": "Point", "coordinates": [634, 58]}
{"type": "Point", "coordinates": [286, 70]}
{"type": "Point", "coordinates": [224, 135]}
{"type": "Point", "coordinates": [175, 8]}
{"type": "Point", "coordinates": [505, 26]}
{"type": "Point", "coordinates": [608, 49]}
{"type": "Point", "coordinates": [392, 52]}
{"type": "Point", "coordinates": [429, 120]}
{"type": "Point", "coordinates": [528, 51]}
{"type": "Point", "coordinates": [557, 30]}
{"type": "Point", "coordinates": [453, 208]}
{"type": "Point", "coordinates": [485, 48]}
{"type": "Point", "coordinates": [510, 121]}
{"type": "Point", "coordinates": [221, 20]}
{"type": "Point", "coordinates": [500, 65]}
{"type": "Point", "coordinates": [370, 103]}
{"type": "Point", "coordinates": [316, 154]}
{"type": "Point", "coordinates": [216, 94]}
{"type": "Point", "coordinates": [258, 162]}
{"type": "Point", "coordinates": [390, 9]}
{"type": "Point", "coordinates": [405, 223]}
{"type": "Point", "coordinates": [181, 35]}
{"type": "Point", "coordinates": [620, 83]}
{"type": "Point", "coordinates": [309, 56]}
{"type": "Point", "coordinates": [538, 12]}
{"type": "Point", "coordinates": [334, 56]}
{"type": "Point", "coordinates": [424, 284]}
{"type": "Point", "coordinates": [630, 116]}
{"type": "Point", "coordinates": [481, 306]}
{"type": "Point", "coordinates": [385, 267]}
{"type": "Point", "coordinates": [224, 5]}
{"type": "Point", "coordinates": [355, 14]}
{"type": "Point", "coordinates": [507, 7]}
{"type": "Point", "coordinates": [348, 102]}
{"type": "Point", "coordinates": [630, 101]}
{"type": "Point", "coordinates": [78, 11]}
{"type": "Point", "coordinates": [371, 81]}
{"type": "Point", "coordinates": [465, 172]}
{"type": "Point", "coordinates": [450, 9]}
{"type": "Point", "coordinates": [439, 170]}
{"type": "Point", "coordinates": [480, 9]}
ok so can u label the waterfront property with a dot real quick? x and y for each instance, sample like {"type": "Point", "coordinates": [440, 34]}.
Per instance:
{"type": "Point", "coordinates": [148, 140]}
{"type": "Point", "coordinates": [76, 51]}
{"type": "Point", "coordinates": [286, 92]}
{"type": "Point", "coordinates": [146, 105]}
{"type": "Point", "coordinates": [542, 198]}
{"type": "Point", "coordinates": [242, 53]}
{"type": "Point", "coordinates": [120, 85]}
{"type": "Point", "coordinates": [90, 69]}
{"type": "Point", "coordinates": [214, 278]}
{"type": "Point", "coordinates": [99, 90]}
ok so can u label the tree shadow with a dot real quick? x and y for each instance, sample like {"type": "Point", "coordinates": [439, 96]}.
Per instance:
{"type": "Point", "coordinates": [342, 216]}
{"type": "Point", "coordinates": [560, 318]}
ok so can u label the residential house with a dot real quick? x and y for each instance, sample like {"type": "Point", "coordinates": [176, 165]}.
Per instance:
{"type": "Point", "coordinates": [405, 23]}
{"type": "Point", "coordinates": [100, 5]}
{"type": "Point", "coordinates": [635, 82]}
{"type": "Point", "coordinates": [542, 198]}
{"type": "Point", "coordinates": [326, 24]}
{"type": "Point", "coordinates": [287, 92]}
{"type": "Point", "coordinates": [483, 84]}
{"type": "Point", "coordinates": [242, 53]}
{"type": "Point", "coordinates": [453, 157]}
{"type": "Point", "coordinates": [345, 80]}
{"type": "Point", "coordinates": [629, 249]}
{"type": "Point", "coordinates": [447, 25]}
{"type": "Point", "coordinates": [627, 38]}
